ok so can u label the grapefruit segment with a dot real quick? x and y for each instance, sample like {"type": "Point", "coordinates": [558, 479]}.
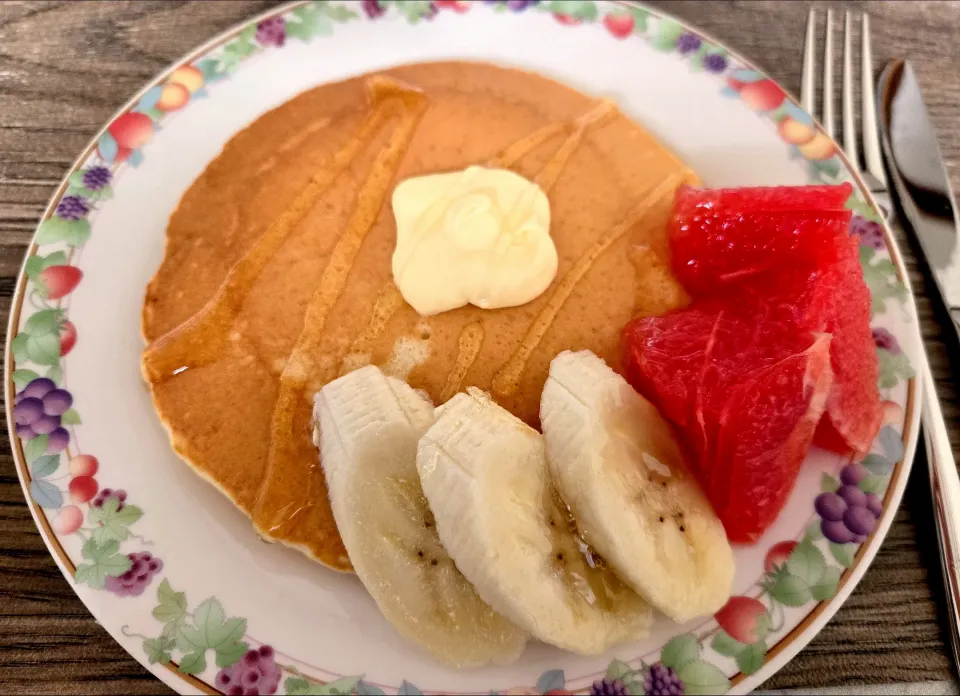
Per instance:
{"type": "Point", "coordinates": [771, 199]}
{"type": "Point", "coordinates": [745, 384]}
{"type": "Point", "coordinates": [714, 248]}
{"type": "Point", "coordinates": [791, 243]}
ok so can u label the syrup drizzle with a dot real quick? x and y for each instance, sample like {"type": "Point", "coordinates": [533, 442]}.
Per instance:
{"type": "Point", "coordinates": [388, 302]}
{"type": "Point", "coordinates": [471, 340]}
{"type": "Point", "coordinates": [471, 337]}
{"type": "Point", "coordinates": [202, 339]}
{"type": "Point", "coordinates": [506, 380]}
{"type": "Point", "coordinates": [286, 473]}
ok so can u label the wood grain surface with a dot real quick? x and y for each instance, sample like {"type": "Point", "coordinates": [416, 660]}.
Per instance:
{"type": "Point", "coordinates": [65, 67]}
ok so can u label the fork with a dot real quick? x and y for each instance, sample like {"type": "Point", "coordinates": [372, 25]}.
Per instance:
{"type": "Point", "coordinates": [944, 479]}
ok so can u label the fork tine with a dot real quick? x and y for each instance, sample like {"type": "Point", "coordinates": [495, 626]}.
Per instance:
{"type": "Point", "coordinates": [828, 75]}
{"type": "Point", "coordinates": [807, 80]}
{"type": "Point", "coordinates": [849, 129]}
{"type": "Point", "coordinates": [868, 105]}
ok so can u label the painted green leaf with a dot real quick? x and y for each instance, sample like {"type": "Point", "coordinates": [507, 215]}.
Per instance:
{"type": "Point", "coordinates": [296, 685]}
{"type": "Point", "coordinates": [617, 669]}
{"type": "Point", "coordinates": [55, 373]}
{"type": "Point", "coordinates": [307, 21]}
{"type": "Point", "coordinates": [339, 13]}
{"type": "Point", "coordinates": [826, 587]}
{"type": "Point", "coordinates": [212, 629]}
{"type": "Point", "coordinates": [158, 650]}
{"type": "Point", "coordinates": [36, 448]}
{"type": "Point", "coordinates": [640, 17]}
{"type": "Point", "coordinates": [57, 258]}
{"type": "Point", "coordinates": [806, 562]}
{"type": "Point", "coordinates": [345, 685]}
{"type": "Point", "coordinates": [828, 484]}
{"type": "Point", "coordinates": [33, 266]}
{"type": "Point", "coordinates": [171, 605]}
{"type": "Point", "coordinates": [892, 368]}
{"type": "Point", "coordinates": [193, 663]}
{"type": "Point", "coordinates": [229, 653]}
{"type": "Point", "coordinates": [365, 689]}
{"type": "Point", "coordinates": [406, 689]}
{"type": "Point", "coordinates": [666, 34]}
{"type": "Point", "coordinates": [680, 650]}
{"type": "Point", "coordinates": [750, 659]}
{"type": "Point", "coordinates": [701, 677]}
{"type": "Point", "coordinates": [861, 208]}
{"type": "Point", "coordinates": [45, 465]}
{"type": "Point", "coordinates": [70, 417]}
{"type": "Point", "coordinates": [56, 229]}
{"type": "Point", "coordinates": [844, 553]}
{"type": "Point", "coordinates": [813, 531]}
{"type": "Point", "coordinates": [46, 495]}
{"type": "Point", "coordinates": [105, 561]}
{"type": "Point", "coordinates": [78, 233]}
{"type": "Point", "coordinates": [790, 591]}
{"type": "Point", "coordinates": [873, 484]}
{"type": "Point", "coordinates": [44, 349]}
{"type": "Point", "coordinates": [727, 645]}
{"type": "Point", "coordinates": [415, 10]}
{"type": "Point", "coordinates": [112, 523]}
{"type": "Point", "coordinates": [23, 377]}
{"type": "Point", "coordinates": [877, 464]}
{"type": "Point", "coordinates": [891, 443]}
{"type": "Point", "coordinates": [18, 346]}
{"type": "Point", "coordinates": [46, 321]}
{"type": "Point", "coordinates": [555, 679]}
{"type": "Point", "coordinates": [880, 275]}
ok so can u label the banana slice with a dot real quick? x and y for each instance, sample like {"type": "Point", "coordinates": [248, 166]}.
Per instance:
{"type": "Point", "coordinates": [369, 425]}
{"type": "Point", "coordinates": [498, 516]}
{"type": "Point", "coordinates": [615, 461]}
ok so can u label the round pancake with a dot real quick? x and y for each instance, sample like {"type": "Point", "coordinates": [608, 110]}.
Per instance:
{"type": "Point", "coordinates": [226, 309]}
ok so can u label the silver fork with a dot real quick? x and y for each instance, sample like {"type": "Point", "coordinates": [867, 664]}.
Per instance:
{"type": "Point", "coordinates": [944, 479]}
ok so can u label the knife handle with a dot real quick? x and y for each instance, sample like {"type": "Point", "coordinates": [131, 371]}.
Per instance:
{"type": "Point", "coordinates": [945, 487]}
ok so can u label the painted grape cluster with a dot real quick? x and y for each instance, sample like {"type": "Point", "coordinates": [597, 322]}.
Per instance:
{"type": "Point", "coordinates": [38, 410]}
{"type": "Point", "coordinates": [849, 514]}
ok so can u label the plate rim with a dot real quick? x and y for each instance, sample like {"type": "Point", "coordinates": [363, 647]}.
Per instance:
{"type": "Point", "coordinates": [781, 652]}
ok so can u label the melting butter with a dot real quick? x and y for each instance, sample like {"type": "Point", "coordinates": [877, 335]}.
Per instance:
{"type": "Point", "coordinates": [479, 236]}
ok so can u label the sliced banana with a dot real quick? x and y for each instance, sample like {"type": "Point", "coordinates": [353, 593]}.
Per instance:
{"type": "Point", "coordinates": [484, 473]}
{"type": "Point", "coordinates": [369, 425]}
{"type": "Point", "coordinates": [615, 461]}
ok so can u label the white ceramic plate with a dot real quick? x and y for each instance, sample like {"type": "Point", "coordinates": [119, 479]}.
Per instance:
{"type": "Point", "coordinates": [210, 590]}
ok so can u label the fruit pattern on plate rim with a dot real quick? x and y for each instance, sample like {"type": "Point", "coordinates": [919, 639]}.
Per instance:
{"type": "Point", "coordinates": [797, 572]}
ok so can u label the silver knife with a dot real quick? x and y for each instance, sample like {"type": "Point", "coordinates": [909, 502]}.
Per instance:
{"type": "Point", "coordinates": [922, 191]}
{"type": "Point", "coordinates": [920, 180]}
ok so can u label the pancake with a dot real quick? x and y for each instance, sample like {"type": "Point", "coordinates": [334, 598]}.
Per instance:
{"type": "Point", "coordinates": [276, 276]}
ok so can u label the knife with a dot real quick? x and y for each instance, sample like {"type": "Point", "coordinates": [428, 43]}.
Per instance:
{"type": "Point", "coordinates": [919, 179]}
{"type": "Point", "coordinates": [922, 192]}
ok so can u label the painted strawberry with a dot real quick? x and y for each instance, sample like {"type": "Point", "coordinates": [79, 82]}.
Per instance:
{"type": "Point", "coordinates": [68, 337]}
{"type": "Point", "coordinates": [778, 555]}
{"type": "Point", "coordinates": [620, 25]}
{"type": "Point", "coordinates": [459, 6]}
{"type": "Point", "coordinates": [131, 130]}
{"type": "Point", "coordinates": [565, 19]}
{"type": "Point", "coordinates": [58, 281]}
{"type": "Point", "coordinates": [744, 618]}
{"type": "Point", "coordinates": [762, 95]}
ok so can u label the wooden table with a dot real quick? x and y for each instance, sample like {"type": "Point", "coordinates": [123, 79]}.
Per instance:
{"type": "Point", "coordinates": [65, 67]}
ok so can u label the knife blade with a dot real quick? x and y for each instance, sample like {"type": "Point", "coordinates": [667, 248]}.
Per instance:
{"type": "Point", "coordinates": [919, 177]}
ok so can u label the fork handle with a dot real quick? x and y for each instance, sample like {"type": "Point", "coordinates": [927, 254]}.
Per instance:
{"type": "Point", "coordinates": [945, 487]}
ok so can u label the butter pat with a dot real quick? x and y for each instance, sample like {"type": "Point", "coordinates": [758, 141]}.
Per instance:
{"type": "Point", "coordinates": [478, 236]}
